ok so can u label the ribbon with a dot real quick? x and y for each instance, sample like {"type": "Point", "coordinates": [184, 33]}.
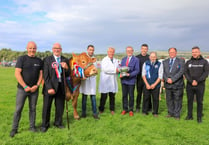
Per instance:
{"type": "Point", "coordinates": [55, 66]}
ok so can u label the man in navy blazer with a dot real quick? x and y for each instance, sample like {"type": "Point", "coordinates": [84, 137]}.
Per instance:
{"type": "Point", "coordinates": [128, 80]}
{"type": "Point", "coordinates": [173, 68]}
{"type": "Point", "coordinates": [53, 89]}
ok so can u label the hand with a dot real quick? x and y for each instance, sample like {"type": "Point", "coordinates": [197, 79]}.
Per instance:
{"type": "Point", "coordinates": [34, 88]}
{"type": "Point", "coordinates": [51, 91]}
{"type": "Point", "coordinates": [148, 86]}
{"type": "Point", "coordinates": [152, 86]}
{"type": "Point", "coordinates": [28, 89]}
{"type": "Point", "coordinates": [169, 80]}
{"type": "Point", "coordinates": [64, 65]}
{"type": "Point", "coordinates": [194, 83]}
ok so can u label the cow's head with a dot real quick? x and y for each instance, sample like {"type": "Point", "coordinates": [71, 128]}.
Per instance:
{"type": "Point", "coordinates": [85, 62]}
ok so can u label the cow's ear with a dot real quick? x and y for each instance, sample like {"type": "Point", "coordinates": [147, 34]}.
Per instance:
{"type": "Point", "coordinates": [83, 53]}
{"type": "Point", "coordinates": [94, 59]}
{"type": "Point", "coordinates": [73, 54]}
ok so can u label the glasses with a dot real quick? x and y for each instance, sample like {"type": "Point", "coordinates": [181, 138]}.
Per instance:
{"type": "Point", "coordinates": [32, 48]}
{"type": "Point", "coordinates": [57, 48]}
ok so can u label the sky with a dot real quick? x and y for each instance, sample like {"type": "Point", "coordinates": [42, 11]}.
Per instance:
{"type": "Point", "coordinates": [104, 23]}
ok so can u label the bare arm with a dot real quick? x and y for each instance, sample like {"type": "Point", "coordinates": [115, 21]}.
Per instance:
{"type": "Point", "coordinates": [20, 79]}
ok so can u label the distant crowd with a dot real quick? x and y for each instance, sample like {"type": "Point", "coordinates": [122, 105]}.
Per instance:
{"type": "Point", "coordinates": [143, 71]}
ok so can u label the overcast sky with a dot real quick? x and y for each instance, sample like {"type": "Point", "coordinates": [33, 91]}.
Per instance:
{"type": "Point", "coordinates": [104, 23]}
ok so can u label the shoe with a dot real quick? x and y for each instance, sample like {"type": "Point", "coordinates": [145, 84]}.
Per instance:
{"type": "Point", "coordinates": [44, 129]}
{"type": "Point", "coordinates": [137, 110]}
{"type": "Point", "coordinates": [59, 126]}
{"type": "Point", "coordinates": [33, 129]}
{"type": "Point", "coordinates": [155, 115]}
{"type": "Point", "coordinates": [123, 112]}
{"type": "Point", "coordinates": [112, 112]}
{"type": "Point", "coordinates": [96, 116]}
{"type": "Point", "coordinates": [189, 118]}
{"type": "Point", "coordinates": [131, 113]}
{"type": "Point", "coordinates": [199, 120]}
{"type": "Point", "coordinates": [83, 115]}
{"type": "Point", "coordinates": [100, 112]}
{"type": "Point", "coordinates": [168, 116]}
{"type": "Point", "coordinates": [13, 132]}
{"type": "Point", "coordinates": [145, 114]}
{"type": "Point", "coordinates": [177, 118]}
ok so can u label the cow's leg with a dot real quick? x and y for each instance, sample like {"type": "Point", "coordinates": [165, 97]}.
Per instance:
{"type": "Point", "coordinates": [74, 103]}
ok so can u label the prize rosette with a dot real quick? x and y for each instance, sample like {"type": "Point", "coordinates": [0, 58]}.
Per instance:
{"type": "Point", "coordinates": [55, 66]}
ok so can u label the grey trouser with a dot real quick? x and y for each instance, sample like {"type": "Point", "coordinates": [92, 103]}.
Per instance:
{"type": "Point", "coordinates": [20, 101]}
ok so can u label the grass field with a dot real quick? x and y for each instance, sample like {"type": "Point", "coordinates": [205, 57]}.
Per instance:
{"type": "Point", "coordinates": [109, 130]}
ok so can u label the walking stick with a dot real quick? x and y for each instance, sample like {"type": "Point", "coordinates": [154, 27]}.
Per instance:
{"type": "Point", "coordinates": [68, 125]}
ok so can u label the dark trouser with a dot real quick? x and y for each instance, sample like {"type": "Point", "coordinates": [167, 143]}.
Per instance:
{"type": "Point", "coordinates": [140, 85]}
{"type": "Point", "coordinates": [103, 101]}
{"type": "Point", "coordinates": [199, 92]}
{"type": "Point", "coordinates": [93, 104]}
{"type": "Point", "coordinates": [174, 101]}
{"type": "Point", "coordinates": [128, 90]}
{"type": "Point", "coordinates": [20, 101]}
{"type": "Point", "coordinates": [59, 108]}
{"type": "Point", "coordinates": [155, 99]}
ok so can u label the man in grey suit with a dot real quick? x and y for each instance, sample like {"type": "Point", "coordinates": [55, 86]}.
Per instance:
{"type": "Point", "coordinates": [174, 83]}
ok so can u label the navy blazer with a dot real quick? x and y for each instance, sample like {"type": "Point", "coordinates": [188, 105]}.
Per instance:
{"type": "Point", "coordinates": [133, 70]}
{"type": "Point", "coordinates": [176, 73]}
{"type": "Point", "coordinates": [50, 79]}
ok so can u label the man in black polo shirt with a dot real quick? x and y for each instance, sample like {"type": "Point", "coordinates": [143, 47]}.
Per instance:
{"type": "Point", "coordinates": [28, 72]}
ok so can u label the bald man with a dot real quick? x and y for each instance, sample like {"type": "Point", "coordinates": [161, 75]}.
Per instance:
{"type": "Point", "coordinates": [28, 72]}
{"type": "Point", "coordinates": [53, 89]}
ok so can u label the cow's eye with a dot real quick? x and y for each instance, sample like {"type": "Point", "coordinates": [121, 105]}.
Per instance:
{"type": "Point", "coordinates": [83, 62]}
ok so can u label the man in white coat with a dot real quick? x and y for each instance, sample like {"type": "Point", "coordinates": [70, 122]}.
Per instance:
{"type": "Point", "coordinates": [88, 87]}
{"type": "Point", "coordinates": [108, 80]}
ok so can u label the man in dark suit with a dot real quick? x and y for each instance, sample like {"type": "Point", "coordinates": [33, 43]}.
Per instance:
{"type": "Point", "coordinates": [54, 66]}
{"type": "Point", "coordinates": [173, 70]}
{"type": "Point", "coordinates": [128, 80]}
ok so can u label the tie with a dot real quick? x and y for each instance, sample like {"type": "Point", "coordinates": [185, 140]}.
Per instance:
{"type": "Point", "coordinates": [170, 64]}
{"type": "Point", "coordinates": [111, 60]}
{"type": "Point", "coordinates": [58, 61]}
{"type": "Point", "coordinates": [127, 61]}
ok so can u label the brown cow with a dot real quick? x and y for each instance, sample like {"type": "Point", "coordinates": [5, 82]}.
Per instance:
{"type": "Point", "coordinates": [73, 82]}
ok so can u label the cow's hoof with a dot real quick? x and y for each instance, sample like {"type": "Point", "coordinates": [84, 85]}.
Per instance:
{"type": "Point", "coordinates": [76, 117]}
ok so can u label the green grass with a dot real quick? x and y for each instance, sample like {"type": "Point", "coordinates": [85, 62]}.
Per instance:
{"type": "Point", "coordinates": [113, 130]}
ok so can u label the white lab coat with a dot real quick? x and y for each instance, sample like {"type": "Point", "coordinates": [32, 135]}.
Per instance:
{"type": "Point", "coordinates": [108, 75]}
{"type": "Point", "coordinates": [88, 86]}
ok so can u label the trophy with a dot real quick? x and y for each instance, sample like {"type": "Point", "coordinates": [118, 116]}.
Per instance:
{"type": "Point", "coordinates": [123, 70]}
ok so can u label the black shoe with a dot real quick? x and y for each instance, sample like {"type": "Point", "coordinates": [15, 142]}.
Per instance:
{"type": "Point", "coordinates": [59, 126]}
{"type": "Point", "coordinates": [13, 132]}
{"type": "Point", "coordinates": [96, 116]}
{"type": "Point", "coordinates": [137, 110]}
{"type": "Point", "coordinates": [189, 118]}
{"type": "Point", "coordinates": [83, 115]}
{"type": "Point", "coordinates": [44, 129]}
{"type": "Point", "coordinates": [33, 129]}
{"type": "Point", "coordinates": [199, 120]}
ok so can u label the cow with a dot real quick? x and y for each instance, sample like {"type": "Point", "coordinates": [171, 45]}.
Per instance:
{"type": "Point", "coordinates": [81, 67]}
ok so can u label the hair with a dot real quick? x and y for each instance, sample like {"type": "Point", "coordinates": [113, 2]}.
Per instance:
{"type": "Point", "coordinates": [153, 52]}
{"type": "Point", "coordinates": [111, 48]}
{"type": "Point", "coordinates": [90, 46]}
{"type": "Point", "coordinates": [145, 45]}
{"type": "Point", "coordinates": [172, 48]}
{"type": "Point", "coordinates": [195, 47]}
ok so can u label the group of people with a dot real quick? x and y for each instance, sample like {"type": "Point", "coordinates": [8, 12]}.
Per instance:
{"type": "Point", "coordinates": [145, 71]}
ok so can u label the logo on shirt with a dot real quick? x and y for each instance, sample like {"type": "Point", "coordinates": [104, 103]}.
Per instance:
{"type": "Point", "coordinates": [193, 65]}
{"type": "Point", "coordinates": [36, 64]}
